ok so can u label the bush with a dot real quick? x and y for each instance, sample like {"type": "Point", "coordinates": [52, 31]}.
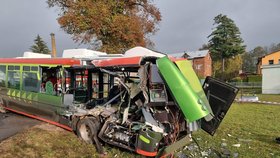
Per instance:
{"type": "Point", "coordinates": [238, 79]}
{"type": "Point", "coordinates": [254, 78]}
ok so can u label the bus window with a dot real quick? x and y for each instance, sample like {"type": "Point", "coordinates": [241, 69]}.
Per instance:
{"type": "Point", "coordinates": [2, 75]}
{"type": "Point", "coordinates": [13, 77]}
{"type": "Point", "coordinates": [81, 79]}
{"type": "Point", "coordinates": [49, 80]}
{"type": "Point", "coordinates": [106, 85]}
{"type": "Point", "coordinates": [100, 86]}
{"type": "Point", "coordinates": [30, 80]}
{"type": "Point", "coordinates": [95, 85]}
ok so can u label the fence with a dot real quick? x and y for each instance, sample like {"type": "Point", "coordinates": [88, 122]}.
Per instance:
{"type": "Point", "coordinates": [247, 84]}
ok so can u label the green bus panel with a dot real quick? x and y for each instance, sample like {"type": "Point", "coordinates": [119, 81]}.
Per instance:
{"type": "Point", "coordinates": [186, 68]}
{"type": "Point", "coordinates": [50, 99]}
{"type": "Point", "coordinates": [188, 100]}
{"type": "Point", "coordinates": [38, 97]}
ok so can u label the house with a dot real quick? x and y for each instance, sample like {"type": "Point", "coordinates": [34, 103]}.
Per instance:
{"type": "Point", "coordinates": [201, 60]}
{"type": "Point", "coordinates": [270, 69]}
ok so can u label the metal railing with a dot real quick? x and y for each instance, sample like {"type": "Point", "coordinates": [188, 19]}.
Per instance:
{"type": "Point", "coordinates": [247, 84]}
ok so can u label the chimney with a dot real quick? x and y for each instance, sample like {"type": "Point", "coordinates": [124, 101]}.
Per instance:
{"type": "Point", "coordinates": [53, 45]}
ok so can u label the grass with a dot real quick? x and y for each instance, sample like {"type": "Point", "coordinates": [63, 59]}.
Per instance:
{"type": "Point", "coordinates": [47, 141]}
{"type": "Point", "coordinates": [254, 126]}
{"type": "Point", "coordinates": [269, 97]}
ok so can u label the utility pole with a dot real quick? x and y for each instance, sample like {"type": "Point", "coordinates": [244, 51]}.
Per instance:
{"type": "Point", "coordinates": [53, 45]}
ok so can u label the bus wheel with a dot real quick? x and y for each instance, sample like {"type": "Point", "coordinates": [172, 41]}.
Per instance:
{"type": "Point", "coordinates": [87, 130]}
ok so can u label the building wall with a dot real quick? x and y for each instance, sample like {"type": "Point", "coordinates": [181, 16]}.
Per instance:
{"type": "Point", "coordinates": [271, 79]}
{"type": "Point", "coordinates": [208, 65]}
{"type": "Point", "coordinates": [203, 66]}
{"type": "Point", "coordinates": [275, 57]}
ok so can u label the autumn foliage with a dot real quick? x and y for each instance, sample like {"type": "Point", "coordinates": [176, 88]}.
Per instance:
{"type": "Point", "coordinates": [109, 25]}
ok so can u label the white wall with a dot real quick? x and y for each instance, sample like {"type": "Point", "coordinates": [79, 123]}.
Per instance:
{"type": "Point", "coordinates": [271, 79]}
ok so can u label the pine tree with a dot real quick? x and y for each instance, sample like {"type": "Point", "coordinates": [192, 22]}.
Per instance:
{"type": "Point", "coordinates": [40, 46]}
{"type": "Point", "coordinates": [225, 41]}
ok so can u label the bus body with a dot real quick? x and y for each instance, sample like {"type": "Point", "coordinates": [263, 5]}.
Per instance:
{"type": "Point", "coordinates": [141, 104]}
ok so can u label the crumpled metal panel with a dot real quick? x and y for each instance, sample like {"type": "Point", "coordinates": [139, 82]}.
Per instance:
{"type": "Point", "coordinates": [185, 67]}
{"type": "Point", "coordinates": [188, 100]}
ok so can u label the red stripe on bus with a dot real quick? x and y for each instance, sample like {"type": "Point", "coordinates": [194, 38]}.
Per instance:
{"type": "Point", "coordinates": [41, 119]}
{"type": "Point", "coordinates": [117, 62]}
{"type": "Point", "coordinates": [146, 153]}
{"type": "Point", "coordinates": [124, 61]}
{"type": "Point", "coordinates": [50, 61]}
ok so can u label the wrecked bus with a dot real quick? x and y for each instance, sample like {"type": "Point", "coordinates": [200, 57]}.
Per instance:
{"type": "Point", "coordinates": [148, 105]}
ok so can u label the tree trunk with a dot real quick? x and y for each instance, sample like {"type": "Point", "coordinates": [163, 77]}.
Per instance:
{"type": "Point", "coordinates": [223, 64]}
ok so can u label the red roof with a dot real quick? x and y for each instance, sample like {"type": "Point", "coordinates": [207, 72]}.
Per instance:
{"type": "Point", "coordinates": [47, 61]}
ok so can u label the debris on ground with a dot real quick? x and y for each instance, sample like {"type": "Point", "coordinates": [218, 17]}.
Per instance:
{"type": "Point", "coordinates": [225, 152]}
{"type": "Point", "coordinates": [244, 140]}
{"type": "Point", "coordinates": [236, 145]}
{"type": "Point", "coordinates": [198, 139]}
{"type": "Point", "coordinates": [193, 150]}
{"type": "Point", "coordinates": [223, 144]}
{"type": "Point", "coordinates": [235, 155]}
{"type": "Point", "coordinates": [181, 155]}
{"type": "Point", "coordinates": [229, 135]}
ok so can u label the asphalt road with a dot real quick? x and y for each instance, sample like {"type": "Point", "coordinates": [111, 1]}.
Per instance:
{"type": "Point", "coordinates": [11, 124]}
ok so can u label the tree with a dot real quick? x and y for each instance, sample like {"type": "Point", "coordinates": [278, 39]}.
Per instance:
{"type": "Point", "coordinates": [108, 25]}
{"type": "Point", "coordinates": [233, 65]}
{"type": "Point", "coordinates": [204, 47]}
{"type": "Point", "coordinates": [40, 46]}
{"type": "Point", "coordinates": [250, 58]}
{"type": "Point", "coordinates": [225, 41]}
{"type": "Point", "coordinates": [274, 47]}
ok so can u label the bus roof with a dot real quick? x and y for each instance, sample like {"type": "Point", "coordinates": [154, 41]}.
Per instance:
{"type": "Point", "coordinates": [41, 61]}
{"type": "Point", "coordinates": [124, 61]}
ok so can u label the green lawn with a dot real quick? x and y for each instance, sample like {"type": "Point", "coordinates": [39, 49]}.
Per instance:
{"type": "Point", "coordinates": [269, 97]}
{"type": "Point", "coordinates": [48, 141]}
{"type": "Point", "coordinates": [256, 124]}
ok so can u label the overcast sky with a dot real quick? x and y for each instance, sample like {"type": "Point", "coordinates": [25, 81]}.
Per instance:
{"type": "Point", "coordinates": [185, 24]}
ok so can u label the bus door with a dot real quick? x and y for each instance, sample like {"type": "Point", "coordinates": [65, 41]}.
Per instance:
{"type": "Point", "coordinates": [80, 85]}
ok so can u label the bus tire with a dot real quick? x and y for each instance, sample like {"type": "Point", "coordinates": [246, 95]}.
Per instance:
{"type": "Point", "coordinates": [87, 130]}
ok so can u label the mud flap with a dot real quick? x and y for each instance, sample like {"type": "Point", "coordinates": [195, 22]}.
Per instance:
{"type": "Point", "coordinates": [220, 96]}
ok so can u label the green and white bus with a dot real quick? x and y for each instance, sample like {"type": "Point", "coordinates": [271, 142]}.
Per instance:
{"type": "Point", "coordinates": [147, 105]}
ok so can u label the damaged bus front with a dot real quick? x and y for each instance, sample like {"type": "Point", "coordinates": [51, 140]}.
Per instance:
{"type": "Point", "coordinates": [150, 105]}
